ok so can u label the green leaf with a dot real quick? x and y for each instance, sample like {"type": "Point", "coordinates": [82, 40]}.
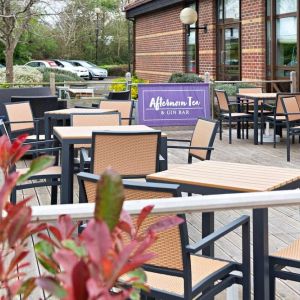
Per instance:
{"type": "Point", "coordinates": [27, 288]}
{"type": "Point", "coordinates": [37, 165]}
{"type": "Point", "coordinates": [138, 275]}
{"type": "Point", "coordinates": [70, 244]}
{"type": "Point", "coordinates": [109, 198]}
{"type": "Point", "coordinates": [44, 247]}
{"type": "Point", "coordinates": [52, 286]}
{"type": "Point", "coordinates": [44, 251]}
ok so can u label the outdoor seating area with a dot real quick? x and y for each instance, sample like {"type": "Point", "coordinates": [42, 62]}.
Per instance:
{"type": "Point", "coordinates": [227, 254]}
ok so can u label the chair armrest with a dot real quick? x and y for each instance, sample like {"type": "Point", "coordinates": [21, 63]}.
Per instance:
{"type": "Point", "coordinates": [40, 142]}
{"type": "Point", "coordinates": [45, 150]}
{"type": "Point", "coordinates": [178, 140]}
{"type": "Point", "coordinates": [243, 220]}
{"type": "Point", "coordinates": [193, 148]}
{"type": "Point", "coordinates": [290, 114]}
{"type": "Point", "coordinates": [88, 176]}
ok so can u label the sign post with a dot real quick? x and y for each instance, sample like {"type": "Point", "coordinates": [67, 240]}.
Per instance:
{"type": "Point", "coordinates": [173, 104]}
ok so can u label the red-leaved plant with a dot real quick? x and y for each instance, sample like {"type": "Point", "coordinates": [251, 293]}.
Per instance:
{"type": "Point", "coordinates": [15, 226]}
{"type": "Point", "coordinates": [103, 262]}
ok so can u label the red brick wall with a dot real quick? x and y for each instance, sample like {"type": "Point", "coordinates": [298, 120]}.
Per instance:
{"type": "Point", "coordinates": [253, 39]}
{"type": "Point", "coordinates": [159, 45]}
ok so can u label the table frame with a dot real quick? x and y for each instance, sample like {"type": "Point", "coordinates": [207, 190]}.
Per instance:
{"type": "Point", "coordinates": [255, 98]}
{"type": "Point", "coordinates": [260, 234]}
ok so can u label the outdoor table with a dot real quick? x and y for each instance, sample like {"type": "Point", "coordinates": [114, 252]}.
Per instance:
{"type": "Point", "coordinates": [256, 97]}
{"type": "Point", "coordinates": [73, 135]}
{"type": "Point", "coordinates": [65, 114]}
{"type": "Point", "coordinates": [214, 177]}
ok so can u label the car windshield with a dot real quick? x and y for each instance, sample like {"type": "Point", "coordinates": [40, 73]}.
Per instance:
{"type": "Point", "coordinates": [87, 64]}
{"type": "Point", "coordinates": [66, 64]}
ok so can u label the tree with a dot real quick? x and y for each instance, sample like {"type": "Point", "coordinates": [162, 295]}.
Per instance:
{"type": "Point", "coordinates": [14, 20]}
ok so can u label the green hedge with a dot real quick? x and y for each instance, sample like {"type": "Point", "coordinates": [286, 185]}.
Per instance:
{"type": "Point", "coordinates": [232, 89]}
{"type": "Point", "coordinates": [185, 78]}
{"type": "Point", "coordinates": [116, 70]}
{"type": "Point", "coordinates": [60, 75]}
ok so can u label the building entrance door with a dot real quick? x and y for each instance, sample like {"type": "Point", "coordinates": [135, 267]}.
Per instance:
{"type": "Point", "coordinates": [228, 53]}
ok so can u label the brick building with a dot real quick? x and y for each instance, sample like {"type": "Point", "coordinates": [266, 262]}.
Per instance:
{"type": "Point", "coordinates": [245, 39]}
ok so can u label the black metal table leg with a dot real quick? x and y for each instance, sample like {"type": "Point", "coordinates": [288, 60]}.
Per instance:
{"type": "Point", "coordinates": [164, 151]}
{"type": "Point", "coordinates": [238, 122]}
{"type": "Point", "coordinates": [67, 163]}
{"type": "Point", "coordinates": [255, 121]}
{"type": "Point", "coordinates": [47, 127]}
{"type": "Point", "coordinates": [261, 254]}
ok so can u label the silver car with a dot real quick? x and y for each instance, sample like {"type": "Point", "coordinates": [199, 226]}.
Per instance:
{"type": "Point", "coordinates": [94, 71]}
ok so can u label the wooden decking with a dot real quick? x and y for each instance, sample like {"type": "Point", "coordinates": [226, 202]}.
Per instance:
{"type": "Point", "coordinates": [284, 223]}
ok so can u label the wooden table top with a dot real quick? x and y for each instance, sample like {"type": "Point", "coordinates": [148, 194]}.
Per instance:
{"type": "Point", "coordinates": [229, 176]}
{"type": "Point", "coordinates": [74, 110]}
{"type": "Point", "coordinates": [258, 95]}
{"type": "Point", "coordinates": [85, 132]}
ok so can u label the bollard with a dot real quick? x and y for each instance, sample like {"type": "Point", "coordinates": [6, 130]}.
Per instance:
{"type": "Point", "coordinates": [52, 84]}
{"type": "Point", "coordinates": [293, 78]}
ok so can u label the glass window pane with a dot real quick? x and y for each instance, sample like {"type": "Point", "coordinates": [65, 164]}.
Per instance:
{"type": "Point", "coordinates": [232, 9]}
{"type": "Point", "coordinates": [268, 42]}
{"type": "Point", "coordinates": [191, 52]}
{"type": "Point", "coordinates": [287, 41]}
{"type": "Point", "coordinates": [220, 9]}
{"type": "Point", "coordinates": [286, 6]}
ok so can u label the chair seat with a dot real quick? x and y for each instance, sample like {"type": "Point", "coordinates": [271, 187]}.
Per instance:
{"type": "Point", "coordinates": [292, 251]}
{"type": "Point", "coordinates": [202, 267]}
{"type": "Point", "coordinates": [278, 118]}
{"type": "Point", "coordinates": [236, 115]}
{"type": "Point", "coordinates": [54, 170]}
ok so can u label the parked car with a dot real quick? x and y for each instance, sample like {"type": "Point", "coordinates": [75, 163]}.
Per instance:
{"type": "Point", "coordinates": [42, 64]}
{"type": "Point", "coordinates": [80, 71]}
{"type": "Point", "coordinates": [94, 71]}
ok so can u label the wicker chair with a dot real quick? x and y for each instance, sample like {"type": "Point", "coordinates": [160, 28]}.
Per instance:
{"type": "Point", "coordinates": [177, 271]}
{"type": "Point", "coordinates": [48, 177]}
{"type": "Point", "coordinates": [226, 113]}
{"type": "Point", "coordinates": [131, 154]}
{"type": "Point", "coordinates": [291, 110]}
{"type": "Point", "coordinates": [201, 143]}
{"type": "Point", "coordinates": [20, 120]}
{"type": "Point", "coordinates": [124, 95]}
{"type": "Point", "coordinates": [125, 107]}
{"type": "Point", "coordinates": [286, 257]}
{"type": "Point", "coordinates": [96, 119]}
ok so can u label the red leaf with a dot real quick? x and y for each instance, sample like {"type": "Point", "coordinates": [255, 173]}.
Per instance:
{"type": "Point", "coordinates": [80, 276]}
{"type": "Point", "coordinates": [55, 232]}
{"type": "Point", "coordinates": [6, 189]}
{"type": "Point", "coordinates": [165, 224]}
{"type": "Point", "coordinates": [143, 215]}
{"type": "Point", "coordinates": [65, 226]}
{"type": "Point", "coordinates": [136, 262]}
{"type": "Point", "coordinates": [19, 256]}
{"type": "Point", "coordinates": [97, 239]}
{"type": "Point", "coordinates": [52, 286]}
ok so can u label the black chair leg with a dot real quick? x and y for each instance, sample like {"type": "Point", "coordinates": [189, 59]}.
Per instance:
{"type": "Point", "coordinates": [272, 286]}
{"type": "Point", "coordinates": [243, 129]}
{"type": "Point", "coordinates": [221, 128]}
{"type": "Point", "coordinates": [288, 146]}
{"type": "Point", "coordinates": [54, 191]}
{"type": "Point", "coordinates": [230, 131]}
{"type": "Point", "coordinates": [13, 196]}
{"type": "Point", "coordinates": [274, 134]}
{"type": "Point", "coordinates": [247, 130]}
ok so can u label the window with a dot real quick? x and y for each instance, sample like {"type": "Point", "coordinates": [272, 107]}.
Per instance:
{"type": "Point", "coordinates": [228, 10]}
{"type": "Point", "coordinates": [282, 45]}
{"type": "Point", "coordinates": [191, 47]}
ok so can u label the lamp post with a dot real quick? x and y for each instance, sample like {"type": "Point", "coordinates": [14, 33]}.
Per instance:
{"type": "Point", "coordinates": [189, 16]}
{"type": "Point", "coordinates": [97, 11]}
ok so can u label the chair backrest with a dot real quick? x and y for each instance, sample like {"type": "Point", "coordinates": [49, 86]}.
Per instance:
{"type": "Point", "coordinates": [17, 112]}
{"type": "Point", "coordinates": [203, 136]}
{"type": "Point", "coordinates": [96, 119]}
{"type": "Point", "coordinates": [279, 107]}
{"type": "Point", "coordinates": [124, 95]}
{"type": "Point", "coordinates": [253, 90]}
{"type": "Point", "coordinates": [291, 108]}
{"type": "Point", "coordinates": [131, 154]}
{"type": "Point", "coordinates": [167, 258]}
{"type": "Point", "coordinates": [125, 107]}
{"type": "Point", "coordinates": [222, 100]}
{"type": "Point", "coordinates": [3, 129]}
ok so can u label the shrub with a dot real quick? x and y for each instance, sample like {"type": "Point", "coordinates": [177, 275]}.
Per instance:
{"type": "Point", "coordinates": [60, 75]}
{"type": "Point", "coordinates": [232, 89]}
{"type": "Point", "coordinates": [119, 87]}
{"type": "Point", "coordinates": [23, 75]}
{"type": "Point", "coordinates": [115, 70]}
{"type": "Point", "coordinates": [185, 78]}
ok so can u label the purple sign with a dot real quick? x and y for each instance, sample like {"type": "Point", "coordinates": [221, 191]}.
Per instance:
{"type": "Point", "coordinates": [170, 104]}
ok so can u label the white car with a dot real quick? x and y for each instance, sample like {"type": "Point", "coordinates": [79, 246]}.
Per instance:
{"type": "Point", "coordinates": [94, 71]}
{"type": "Point", "coordinates": [80, 71]}
{"type": "Point", "coordinates": [42, 64]}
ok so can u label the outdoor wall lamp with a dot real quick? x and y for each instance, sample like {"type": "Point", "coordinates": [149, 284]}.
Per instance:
{"type": "Point", "coordinates": [189, 16]}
